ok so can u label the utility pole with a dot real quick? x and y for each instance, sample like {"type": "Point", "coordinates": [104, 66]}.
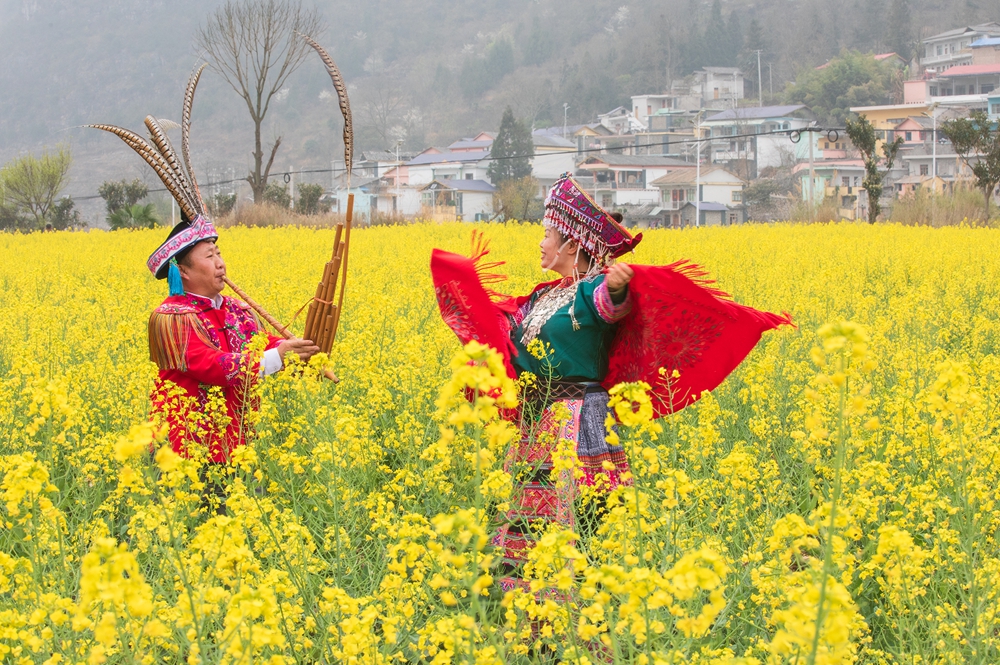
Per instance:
{"type": "Point", "coordinates": [770, 82]}
{"type": "Point", "coordinates": [760, 82]}
{"type": "Point", "coordinates": [565, 111]}
{"type": "Point", "coordinates": [697, 175]}
{"type": "Point", "coordinates": [812, 177]}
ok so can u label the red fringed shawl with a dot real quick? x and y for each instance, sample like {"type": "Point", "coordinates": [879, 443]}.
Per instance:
{"type": "Point", "coordinates": [677, 322]}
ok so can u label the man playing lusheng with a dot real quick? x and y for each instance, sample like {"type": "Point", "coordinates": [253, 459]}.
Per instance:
{"type": "Point", "coordinates": [199, 339]}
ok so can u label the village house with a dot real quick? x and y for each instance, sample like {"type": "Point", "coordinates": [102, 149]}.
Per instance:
{"type": "Point", "coordinates": [839, 179]}
{"type": "Point", "coordinates": [621, 180]}
{"type": "Point", "coordinates": [715, 185]}
{"type": "Point", "coordinates": [554, 156]}
{"type": "Point", "coordinates": [457, 199]}
{"type": "Point", "coordinates": [953, 48]}
{"type": "Point", "coordinates": [731, 145]}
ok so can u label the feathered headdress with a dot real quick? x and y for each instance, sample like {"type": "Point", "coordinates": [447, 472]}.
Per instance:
{"type": "Point", "coordinates": [179, 180]}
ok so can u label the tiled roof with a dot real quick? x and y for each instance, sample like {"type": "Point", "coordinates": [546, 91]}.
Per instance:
{"type": "Point", "coordinates": [969, 70]}
{"type": "Point", "coordinates": [634, 160]}
{"type": "Point", "coordinates": [448, 156]}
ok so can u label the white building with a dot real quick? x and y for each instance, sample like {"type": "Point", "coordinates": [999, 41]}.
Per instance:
{"type": "Point", "coordinates": [457, 199]}
{"type": "Point", "coordinates": [554, 156]}
{"type": "Point", "coordinates": [744, 134]}
{"type": "Point", "coordinates": [679, 188]}
{"type": "Point", "coordinates": [627, 179]}
{"type": "Point", "coordinates": [953, 47]}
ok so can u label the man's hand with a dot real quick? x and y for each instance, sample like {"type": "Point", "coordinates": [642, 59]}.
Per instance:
{"type": "Point", "coordinates": [303, 348]}
{"type": "Point", "coordinates": [619, 275]}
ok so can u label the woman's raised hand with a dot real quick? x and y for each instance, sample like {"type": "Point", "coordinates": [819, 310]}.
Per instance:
{"type": "Point", "coordinates": [619, 275]}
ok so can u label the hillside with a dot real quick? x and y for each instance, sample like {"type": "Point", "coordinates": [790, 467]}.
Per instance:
{"type": "Point", "coordinates": [422, 72]}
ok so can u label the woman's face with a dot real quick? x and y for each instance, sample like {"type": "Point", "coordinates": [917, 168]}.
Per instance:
{"type": "Point", "coordinates": [550, 246]}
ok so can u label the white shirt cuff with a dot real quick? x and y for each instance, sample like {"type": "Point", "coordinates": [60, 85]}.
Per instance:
{"type": "Point", "coordinates": [271, 362]}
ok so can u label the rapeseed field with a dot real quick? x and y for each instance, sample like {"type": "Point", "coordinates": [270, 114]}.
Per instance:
{"type": "Point", "coordinates": [833, 501]}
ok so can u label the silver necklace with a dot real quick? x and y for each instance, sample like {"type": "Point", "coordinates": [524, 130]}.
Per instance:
{"type": "Point", "coordinates": [545, 307]}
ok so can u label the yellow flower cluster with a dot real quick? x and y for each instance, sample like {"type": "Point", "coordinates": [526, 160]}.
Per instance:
{"type": "Point", "coordinates": [833, 501]}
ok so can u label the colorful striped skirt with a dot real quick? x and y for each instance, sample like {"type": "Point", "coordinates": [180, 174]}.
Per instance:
{"type": "Point", "coordinates": [540, 496]}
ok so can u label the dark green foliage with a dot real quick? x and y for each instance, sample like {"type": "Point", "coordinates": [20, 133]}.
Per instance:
{"type": "Point", "coordinates": [759, 192]}
{"type": "Point", "coordinates": [538, 46]}
{"type": "Point", "coordinates": [118, 194]}
{"type": "Point", "coordinates": [11, 219]}
{"type": "Point", "coordinates": [480, 74]}
{"type": "Point", "coordinates": [308, 203]}
{"type": "Point", "coordinates": [852, 79]}
{"type": "Point", "coordinates": [863, 136]}
{"type": "Point", "coordinates": [901, 38]}
{"type": "Point", "coordinates": [221, 204]}
{"type": "Point", "coordinates": [64, 215]}
{"type": "Point", "coordinates": [278, 195]}
{"type": "Point", "coordinates": [977, 142]}
{"type": "Point", "coordinates": [134, 217]}
{"type": "Point", "coordinates": [511, 150]}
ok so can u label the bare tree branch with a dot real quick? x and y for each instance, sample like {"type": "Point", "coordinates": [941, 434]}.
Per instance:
{"type": "Point", "coordinates": [255, 46]}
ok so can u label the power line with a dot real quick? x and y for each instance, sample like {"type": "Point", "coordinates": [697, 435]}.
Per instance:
{"type": "Point", "coordinates": [794, 135]}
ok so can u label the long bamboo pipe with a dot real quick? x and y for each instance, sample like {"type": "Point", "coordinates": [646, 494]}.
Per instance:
{"type": "Point", "coordinates": [274, 323]}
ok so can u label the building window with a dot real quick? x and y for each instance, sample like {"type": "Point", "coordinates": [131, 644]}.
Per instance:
{"type": "Point", "coordinates": [468, 176]}
{"type": "Point", "coordinates": [995, 109]}
{"type": "Point", "coordinates": [606, 200]}
{"type": "Point", "coordinates": [986, 88]}
{"type": "Point", "coordinates": [939, 50]}
{"type": "Point", "coordinates": [845, 181]}
{"type": "Point", "coordinates": [934, 91]}
{"type": "Point", "coordinates": [909, 136]}
{"type": "Point", "coordinates": [959, 89]}
{"type": "Point", "coordinates": [924, 169]}
{"type": "Point", "coordinates": [737, 196]}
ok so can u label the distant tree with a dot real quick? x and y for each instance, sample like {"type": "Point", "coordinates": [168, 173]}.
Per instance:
{"type": "Point", "coordinates": [511, 150]}
{"type": "Point", "coordinates": [753, 42]}
{"type": "Point", "coordinates": [977, 142]}
{"type": "Point", "coordinates": [759, 192]}
{"type": "Point", "coordinates": [479, 74]}
{"type": "Point", "coordinates": [118, 194]}
{"type": "Point", "coordinates": [852, 79]}
{"type": "Point", "coordinates": [308, 203]}
{"type": "Point", "coordinates": [900, 31]}
{"type": "Point", "coordinates": [134, 217]}
{"type": "Point", "coordinates": [256, 45]}
{"type": "Point", "coordinates": [517, 199]}
{"type": "Point", "coordinates": [277, 195]}
{"type": "Point", "coordinates": [221, 204]}
{"type": "Point", "coordinates": [11, 219]}
{"type": "Point", "coordinates": [539, 45]}
{"type": "Point", "coordinates": [64, 215]}
{"type": "Point", "coordinates": [32, 184]}
{"type": "Point", "coordinates": [863, 136]}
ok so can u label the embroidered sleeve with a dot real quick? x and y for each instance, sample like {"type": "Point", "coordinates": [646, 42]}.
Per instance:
{"type": "Point", "coordinates": [606, 308]}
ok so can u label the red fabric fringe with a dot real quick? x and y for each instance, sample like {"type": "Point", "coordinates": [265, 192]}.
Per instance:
{"type": "Point", "coordinates": [678, 323]}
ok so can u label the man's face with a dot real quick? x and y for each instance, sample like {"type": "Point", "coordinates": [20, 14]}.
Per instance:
{"type": "Point", "coordinates": [203, 270]}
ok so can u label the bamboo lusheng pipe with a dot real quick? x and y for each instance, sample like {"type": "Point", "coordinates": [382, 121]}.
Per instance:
{"type": "Point", "coordinates": [347, 247]}
{"type": "Point", "coordinates": [274, 323]}
{"type": "Point", "coordinates": [325, 304]}
{"type": "Point", "coordinates": [316, 308]}
{"type": "Point", "coordinates": [328, 334]}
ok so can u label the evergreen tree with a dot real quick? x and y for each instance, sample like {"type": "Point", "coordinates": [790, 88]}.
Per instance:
{"type": "Point", "coordinates": [900, 31]}
{"type": "Point", "coordinates": [511, 150]}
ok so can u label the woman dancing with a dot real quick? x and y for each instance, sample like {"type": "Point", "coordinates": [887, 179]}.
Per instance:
{"type": "Point", "coordinates": [570, 340]}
